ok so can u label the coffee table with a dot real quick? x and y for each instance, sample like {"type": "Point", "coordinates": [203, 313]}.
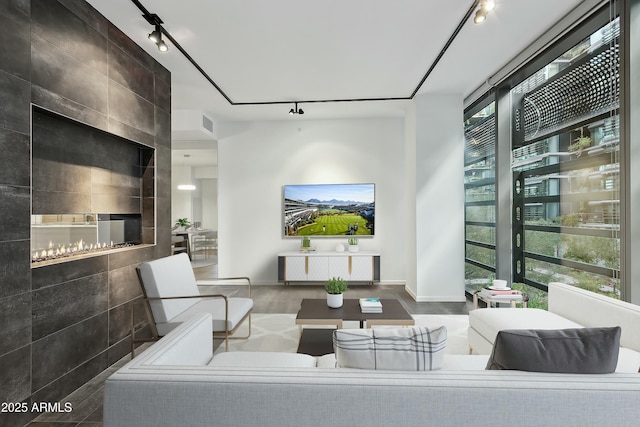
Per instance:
{"type": "Point", "coordinates": [317, 342]}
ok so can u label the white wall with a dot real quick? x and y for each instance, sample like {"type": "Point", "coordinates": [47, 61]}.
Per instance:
{"type": "Point", "coordinates": [180, 199]}
{"type": "Point", "coordinates": [257, 159]}
{"type": "Point", "coordinates": [199, 205]}
{"type": "Point", "coordinates": [209, 191]}
{"type": "Point", "coordinates": [410, 185]}
{"type": "Point", "coordinates": [439, 198]}
{"type": "Point", "coordinates": [206, 179]}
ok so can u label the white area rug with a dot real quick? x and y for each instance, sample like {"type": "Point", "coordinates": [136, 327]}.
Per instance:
{"type": "Point", "coordinates": [278, 332]}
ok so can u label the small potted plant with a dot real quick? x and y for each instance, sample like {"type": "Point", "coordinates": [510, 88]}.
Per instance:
{"type": "Point", "coordinates": [335, 287]}
{"type": "Point", "coordinates": [353, 244]}
{"type": "Point", "coordinates": [182, 224]}
{"type": "Point", "coordinates": [306, 244]}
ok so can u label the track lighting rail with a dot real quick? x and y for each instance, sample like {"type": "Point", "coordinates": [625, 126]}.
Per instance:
{"type": "Point", "coordinates": [155, 20]}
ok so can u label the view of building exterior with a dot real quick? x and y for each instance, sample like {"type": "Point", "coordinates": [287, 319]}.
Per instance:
{"type": "Point", "coordinates": [565, 166]}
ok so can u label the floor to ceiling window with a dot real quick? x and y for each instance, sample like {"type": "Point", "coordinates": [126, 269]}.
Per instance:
{"type": "Point", "coordinates": [479, 185]}
{"type": "Point", "coordinates": [566, 168]}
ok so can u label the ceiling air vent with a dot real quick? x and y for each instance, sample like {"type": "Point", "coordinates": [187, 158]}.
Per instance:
{"type": "Point", "coordinates": [192, 125]}
{"type": "Point", "coordinates": [207, 123]}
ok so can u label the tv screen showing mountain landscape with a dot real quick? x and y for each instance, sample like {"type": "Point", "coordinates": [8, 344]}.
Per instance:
{"type": "Point", "coordinates": [329, 210]}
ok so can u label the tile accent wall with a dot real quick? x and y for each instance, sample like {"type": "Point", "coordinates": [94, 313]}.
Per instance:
{"type": "Point", "coordinates": [77, 168]}
{"type": "Point", "coordinates": [63, 324]}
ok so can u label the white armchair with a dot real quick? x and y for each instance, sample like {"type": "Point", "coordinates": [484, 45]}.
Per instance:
{"type": "Point", "coordinates": [172, 293]}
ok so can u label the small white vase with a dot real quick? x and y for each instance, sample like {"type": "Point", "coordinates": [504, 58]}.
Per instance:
{"type": "Point", "coordinates": [334, 300]}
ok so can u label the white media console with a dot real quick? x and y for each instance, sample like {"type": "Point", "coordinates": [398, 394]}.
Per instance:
{"type": "Point", "coordinates": [361, 266]}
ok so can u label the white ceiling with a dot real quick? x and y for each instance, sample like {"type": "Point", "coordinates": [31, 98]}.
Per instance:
{"type": "Point", "coordinates": [288, 50]}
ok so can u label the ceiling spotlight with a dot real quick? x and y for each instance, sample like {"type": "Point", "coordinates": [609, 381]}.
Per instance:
{"type": "Point", "coordinates": [296, 110]}
{"type": "Point", "coordinates": [484, 7]}
{"type": "Point", "coordinates": [488, 5]}
{"type": "Point", "coordinates": [155, 36]}
{"type": "Point", "coordinates": [162, 46]}
{"type": "Point", "coordinates": [480, 16]}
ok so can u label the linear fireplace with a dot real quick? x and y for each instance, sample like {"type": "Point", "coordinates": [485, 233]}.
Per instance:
{"type": "Point", "coordinates": [56, 237]}
{"type": "Point", "coordinates": [88, 190]}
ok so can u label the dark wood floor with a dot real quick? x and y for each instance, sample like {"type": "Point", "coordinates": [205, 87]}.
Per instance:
{"type": "Point", "coordinates": [281, 299]}
{"type": "Point", "coordinates": [277, 298]}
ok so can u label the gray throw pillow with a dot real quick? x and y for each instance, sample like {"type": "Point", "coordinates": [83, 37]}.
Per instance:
{"type": "Point", "coordinates": [406, 349]}
{"type": "Point", "coordinates": [571, 351]}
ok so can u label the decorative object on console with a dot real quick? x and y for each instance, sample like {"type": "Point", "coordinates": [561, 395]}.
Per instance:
{"type": "Point", "coordinates": [339, 247]}
{"type": "Point", "coordinates": [353, 244]}
{"type": "Point", "coordinates": [405, 349]}
{"type": "Point", "coordinates": [335, 287]}
{"type": "Point", "coordinates": [306, 245]}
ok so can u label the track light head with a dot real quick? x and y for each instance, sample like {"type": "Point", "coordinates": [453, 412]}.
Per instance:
{"type": "Point", "coordinates": [488, 5]}
{"type": "Point", "coordinates": [480, 17]}
{"type": "Point", "coordinates": [162, 46]}
{"type": "Point", "coordinates": [295, 109]}
{"type": "Point", "coordinates": [484, 7]}
{"type": "Point", "coordinates": [155, 36]}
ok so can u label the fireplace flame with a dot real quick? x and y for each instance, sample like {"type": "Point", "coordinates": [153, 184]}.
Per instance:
{"type": "Point", "coordinates": [80, 247]}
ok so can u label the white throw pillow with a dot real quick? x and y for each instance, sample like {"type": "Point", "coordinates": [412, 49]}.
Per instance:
{"type": "Point", "coordinates": [404, 349]}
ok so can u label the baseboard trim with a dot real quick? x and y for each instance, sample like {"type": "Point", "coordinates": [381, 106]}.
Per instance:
{"type": "Point", "coordinates": [439, 298]}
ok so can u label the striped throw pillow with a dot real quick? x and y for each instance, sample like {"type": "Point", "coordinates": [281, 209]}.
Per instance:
{"type": "Point", "coordinates": [404, 349]}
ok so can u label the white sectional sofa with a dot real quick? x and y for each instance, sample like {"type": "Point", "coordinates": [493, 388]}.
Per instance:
{"type": "Point", "coordinates": [569, 307]}
{"type": "Point", "coordinates": [178, 382]}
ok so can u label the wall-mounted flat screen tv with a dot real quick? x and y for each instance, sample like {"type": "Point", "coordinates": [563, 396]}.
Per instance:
{"type": "Point", "coordinates": [329, 210]}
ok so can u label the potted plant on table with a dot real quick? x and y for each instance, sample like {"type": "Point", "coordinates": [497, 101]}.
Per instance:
{"type": "Point", "coordinates": [181, 224]}
{"type": "Point", "coordinates": [335, 287]}
{"type": "Point", "coordinates": [353, 244]}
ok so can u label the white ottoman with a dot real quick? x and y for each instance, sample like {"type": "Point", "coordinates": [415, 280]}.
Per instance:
{"type": "Point", "coordinates": [484, 324]}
